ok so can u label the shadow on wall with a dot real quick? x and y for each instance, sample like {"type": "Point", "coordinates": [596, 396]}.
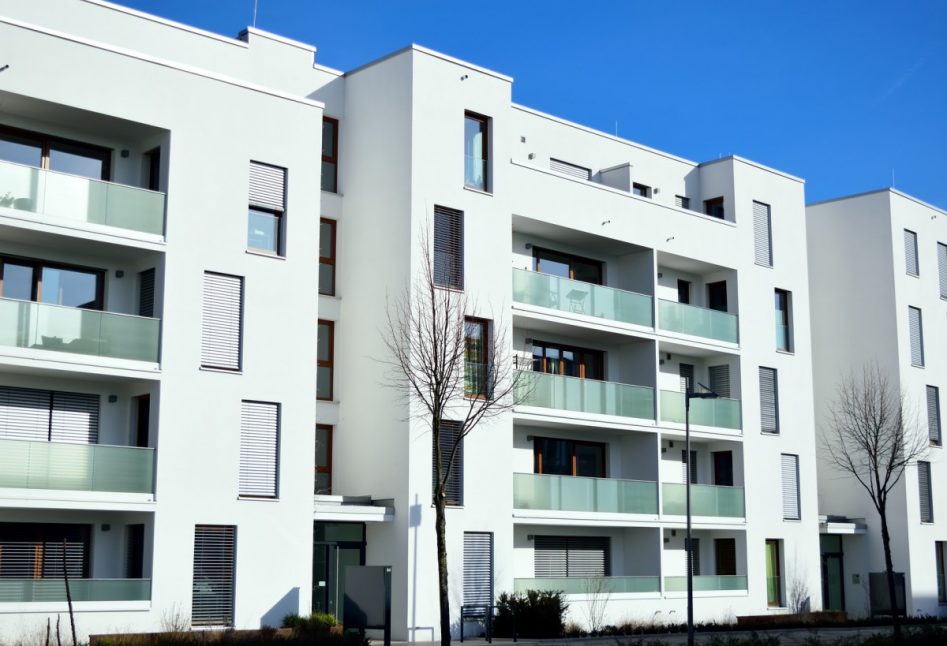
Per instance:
{"type": "Point", "coordinates": [289, 604]}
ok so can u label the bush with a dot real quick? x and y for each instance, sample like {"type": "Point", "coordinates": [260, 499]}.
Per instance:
{"type": "Point", "coordinates": [536, 614]}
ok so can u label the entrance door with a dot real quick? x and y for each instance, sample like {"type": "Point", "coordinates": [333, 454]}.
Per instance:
{"type": "Point", "coordinates": [725, 556]}
{"type": "Point", "coordinates": [717, 296]}
{"type": "Point", "coordinates": [723, 468]}
{"type": "Point", "coordinates": [335, 547]}
{"type": "Point", "coordinates": [833, 591]}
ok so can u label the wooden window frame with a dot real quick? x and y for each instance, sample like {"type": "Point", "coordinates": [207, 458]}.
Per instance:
{"type": "Point", "coordinates": [326, 469]}
{"type": "Point", "coordinates": [570, 348]}
{"type": "Point", "coordinates": [484, 150]}
{"type": "Point", "coordinates": [711, 203]}
{"type": "Point", "coordinates": [569, 258]}
{"type": "Point", "coordinates": [485, 326]}
{"type": "Point", "coordinates": [330, 362]}
{"type": "Point", "coordinates": [49, 142]}
{"type": "Point", "coordinates": [37, 288]}
{"type": "Point", "coordinates": [325, 260]}
{"type": "Point", "coordinates": [538, 454]}
{"type": "Point", "coordinates": [332, 158]}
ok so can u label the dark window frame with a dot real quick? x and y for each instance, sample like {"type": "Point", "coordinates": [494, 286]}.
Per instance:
{"type": "Point", "coordinates": [577, 351]}
{"type": "Point", "coordinates": [456, 476]}
{"type": "Point", "coordinates": [641, 190]}
{"type": "Point", "coordinates": [566, 258]}
{"type": "Point", "coordinates": [326, 260]}
{"type": "Point", "coordinates": [49, 142]}
{"type": "Point", "coordinates": [330, 361]}
{"type": "Point", "coordinates": [280, 218]}
{"type": "Point", "coordinates": [486, 390]}
{"type": "Point", "coordinates": [711, 205]}
{"type": "Point", "coordinates": [484, 122]}
{"type": "Point", "coordinates": [572, 444]}
{"type": "Point", "coordinates": [448, 268]}
{"type": "Point", "coordinates": [785, 319]}
{"type": "Point", "coordinates": [326, 468]}
{"type": "Point", "coordinates": [37, 288]}
{"type": "Point", "coordinates": [777, 565]}
{"type": "Point", "coordinates": [332, 158]}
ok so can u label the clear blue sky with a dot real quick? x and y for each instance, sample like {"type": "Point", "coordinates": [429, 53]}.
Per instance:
{"type": "Point", "coordinates": [837, 92]}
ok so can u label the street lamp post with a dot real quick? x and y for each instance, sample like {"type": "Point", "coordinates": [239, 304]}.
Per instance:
{"type": "Point", "coordinates": [688, 544]}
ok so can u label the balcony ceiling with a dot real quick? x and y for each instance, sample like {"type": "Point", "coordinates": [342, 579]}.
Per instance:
{"type": "Point", "coordinates": [576, 333]}
{"type": "Point", "coordinates": [687, 350]}
{"type": "Point", "coordinates": [23, 238]}
{"type": "Point", "coordinates": [687, 265]}
{"type": "Point", "coordinates": [596, 245]}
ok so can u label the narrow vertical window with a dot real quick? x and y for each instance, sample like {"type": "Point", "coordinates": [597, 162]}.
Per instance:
{"type": "Point", "coordinates": [933, 415]}
{"type": "Point", "coordinates": [762, 234]}
{"type": "Point", "coordinates": [910, 253]}
{"type": "Point", "coordinates": [774, 584]}
{"type": "Point", "coordinates": [924, 490]}
{"type": "Point", "coordinates": [450, 442]}
{"type": "Point", "coordinates": [146, 293]}
{"type": "Point", "coordinates": [267, 208]}
{"type": "Point", "coordinates": [327, 257]}
{"type": "Point", "coordinates": [790, 469]}
{"type": "Point", "coordinates": [476, 151]}
{"type": "Point", "coordinates": [259, 449]}
{"type": "Point", "coordinates": [222, 327]}
{"type": "Point", "coordinates": [916, 332]}
{"type": "Point", "coordinates": [326, 352]}
{"type": "Point", "coordinates": [323, 484]}
{"type": "Point", "coordinates": [330, 154]}
{"type": "Point", "coordinates": [213, 584]}
{"type": "Point", "coordinates": [448, 247]}
{"type": "Point", "coordinates": [476, 357]}
{"type": "Point", "coordinates": [720, 380]}
{"type": "Point", "coordinates": [783, 320]}
{"type": "Point", "coordinates": [478, 571]}
{"type": "Point", "coordinates": [942, 268]}
{"type": "Point", "coordinates": [941, 575]}
{"type": "Point", "coordinates": [769, 400]}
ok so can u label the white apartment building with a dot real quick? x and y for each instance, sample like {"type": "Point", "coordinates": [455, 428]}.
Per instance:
{"type": "Point", "coordinates": [166, 409]}
{"type": "Point", "coordinates": [882, 300]}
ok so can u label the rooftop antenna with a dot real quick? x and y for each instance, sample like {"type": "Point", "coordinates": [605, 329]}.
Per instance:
{"type": "Point", "coordinates": [255, 4]}
{"type": "Point", "coordinates": [616, 127]}
{"type": "Point", "coordinates": [892, 178]}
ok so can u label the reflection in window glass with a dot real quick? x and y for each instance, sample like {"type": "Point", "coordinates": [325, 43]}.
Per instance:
{"type": "Point", "coordinates": [324, 361]}
{"type": "Point", "coordinates": [70, 287]}
{"type": "Point", "coordinates": [20, 151]}
{"type": "Point", "coordinates": [17, 282]}
{"type": "Point", "coordinates": [76, 163]}
{"type": "Point", "coordinates": [475, 152]}
{"type": "Point", "coordinates": [263, 230]}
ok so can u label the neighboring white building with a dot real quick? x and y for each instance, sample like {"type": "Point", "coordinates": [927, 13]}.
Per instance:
{"type": "Point", "coordinates": [880, 297]}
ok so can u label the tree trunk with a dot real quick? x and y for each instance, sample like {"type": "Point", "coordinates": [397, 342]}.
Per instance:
{"type": "Point", "coordinates": [440, 527]}
{"type": "Point", "coordinates": [889, 571]}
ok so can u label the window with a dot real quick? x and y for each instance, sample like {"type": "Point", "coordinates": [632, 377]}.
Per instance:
{"type": "Point", "coordinates": [325, 357]}
{"type": "Point", "coordinates": [933, 415]}
{"type": "Point", "coordinates": [568, 457]}
{"type": "Point", "coordinates": [477, 358]}
{"type": "Point", "coordinates": [725, 556]}
{"type": "Point", "coordinates": [323, 483]}
{"type": "Point", "coordinates": [43, 151]}
{"type": "Point", "coordinates": [35, 550]}
{"type": "Point", "coordinates": [49, 282]}
{"type": "Point", "coordinates": [714, 207]}
{"type": "Point", "coordinates": [49, 415]}
{"type": "Point", "coordinates": [694, 553]}
{"type": "Point", "coordinates": [774, 584]}
{"type": "Point", "coordinates": [910, 253]}
{"type": "Point", "coordinates": [924, 489]}
{"type": "Point", "coordinates": [790, 469]}
{"type": "Point", "coordinates": [451, 443]}
{"type": "Point", "coordinates": [556, 359]}
{"type": "Point", "coordinates": [259, 449]}
{"type": "Point", "coordinates": [567, 265]}
{"type": "Point", "coordinates": [717, 295]}
{"type": "Point", "coordinates": [327, 257]}
{"type": "Point", "coordinates": [942, 268]}
{"type": "Point", "coordinates": [448, 248]}
{"type": "Point", "coordinates": [762, 234]}
{"type": "Point", "coordinates": [476, 151]}
{"type": "Point", "coordinates": [682, 202]}
{"type": "Point", "coordinates": [153, 169]}
{"type": "Point", "coordinates": [222, 327]}
{"type": "Point", "coordinates": [941, 578]}
{"type": "Point", "coordinates": [478, 570]}
{"type": "Point", "coordinates": [783, 320]}
{"type": "Point", "coordinates": [135, 551]}
{"type": "Point", "coordinates": [769, 400]}
{"type": "Point", "coordinates": [579, 172]}
{"type": "Point", "coordinates": [916, 332]}
{"type": "Point", "coordinates": [641, 190]}
{"type": "Point", "coordinates": [213, 585]}
{"type": "Point", "coordinates": [571, 556]}
{"type": "Point", "coordinates": [146, 293]}
{"type": "Point", "coordinates": [330, 154]}
{"type": "Point", "coordinates": [685, 371]}
{"type": "Point", "coordinates": [683, 291]}
{"type": "Point", "coordinates": [720, 380]}
{"type": "Point", "coordinates": [267, 206]}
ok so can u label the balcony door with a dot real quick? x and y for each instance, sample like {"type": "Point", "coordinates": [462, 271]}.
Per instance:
{"type": "Point", "coordinates": [568, 361]}
{"type": "Point", "coordinates": [717, 296]}
{"type": "Point", "coordinates": [723, 468]}
{"type": "Point", "coordinates": [46, 282]}
{"type": "Point", "coordinates": [43, 151]}
{"type": "Point", "coordinates": [569, 457]}
{"type": "Point", "coordinates": [567, 265]}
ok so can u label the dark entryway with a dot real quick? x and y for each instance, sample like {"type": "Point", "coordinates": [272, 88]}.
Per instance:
{"type": "Point", "coordinates": [335, 546]}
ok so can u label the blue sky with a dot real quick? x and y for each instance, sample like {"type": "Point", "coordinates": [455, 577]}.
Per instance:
{"type": "Point", "coordinates": [837, 92]}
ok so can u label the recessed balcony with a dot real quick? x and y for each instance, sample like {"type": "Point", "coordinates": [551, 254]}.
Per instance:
{"type": "Point", "coordinates": [591, 396]}
{"type": "Point", "coordinates": [570, 493]}
{"type": "Point", "coordinates": [54, 590]}
{"type": "Point", "coordinates": [697, 321]}
{"type": "Point", "coordinates": [706, 500]}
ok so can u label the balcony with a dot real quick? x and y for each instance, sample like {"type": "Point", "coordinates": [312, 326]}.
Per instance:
{"type": "Point", "coordinates": [54, 590]}
{"type": "Point", "coordinates": [592, 585]}
{"type": "Point", "coordinates": [42, 326]}
{"type": "Point", "coordinates": [586, 299]}
{"type": "Point", "coordinates": [704, 583]}
{"type": "Point", "coordinates": [720, 412]}
{"type": "Point", "coordinates": [79, 199]}
{"type": "Point", "coordinates": [599, 495]}
{"type": "Point", "coordinates": [706, 500]}
{"type": "Point", "coordinates": [26, 464]}
{"type": "Point", "coordinates": [697, 321]}
{"type": "Point", "coordinates": [584, 395]}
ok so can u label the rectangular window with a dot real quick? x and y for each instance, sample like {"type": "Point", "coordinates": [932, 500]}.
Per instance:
{"type": "Point", "coordinates": [478, 570]}
{"type": "Point", "coordinates": [641, 190]}
{"type": "Point", "coordinates": [567, 265]}
{"type": "Point", "coordinates": [35, 550]}
{"type": "Point", "coordinates": [568, 457]}
{"type": "Point", "coordinates": [941, 576]}
{"type": "Point", "coordinates": [42, 281]}
{"type": "Point", "coordinates": [146, 293]}
{"type": "Point", "coordinates": [571, 556]}
{"type": "Point", "coordinates": [476, 151]}
{"type": "Point", "coordinates": [790, 469]}
{"type": "Point", "coordinates": [135, 551]}
{"type": "Point", "coordinates": [682, 202]}
{"type": "Point", "coordinates": [916, 331]}
{"type": "Point", "coordinates": [556, 359]}
{"type": "Point", "coordinates": [685, 371]}
{"type": "Point", "coordinates": [448, 247]}
{"type": "Point", "coordinates": [212, 590]}
{"type": "Point", "coordinates": [63, 155]}
{"type": "Point", "coordinates": [222, 323]}
{"type": "Point", "coordinates": [259, 449]}
{"type": "Point", "coordinates": [942, 268]}
{"type": "Point", "coordinates": [774, 584]}
{"type": "Point", "coordinates": [574, 170]}
{"type": "Point", "coordinates": [683, 291]}
{"type": "Point", "coordinates": [924, 489]}
{"type": "Point", "coordinates": [762, 234]}
{"type": "Point", "coordinates": [49, 415]}
{"type": "Point", "coordinates": [323, 459]}
{"type": "Point", "coordinates": [450, 443]}
{"type": "Point", "coordinates": [783, 320]}
{"type": "Point", "coordinates": [714, 207]}
{"type": "Point", "coordinates": [267, 207]}
{"type": "Point", "coordinates": [933, 415]}
{"type": "Point", "coordinates": [330, 154]}
{"type": "Point", "coordinates": [327, 257]}
{"type": "Point", "coordinates": [720, 380]}
{"type": "Point", "coordinates": [325, 360]}
{"type": "Point", "coordinates": [910, 253]}
{"type": "Point", "coordinates": [725, 556]}
{"type": "Point", "coordinates": [477, 358]}
{"type": "Point", "coordinates": [769, 400]}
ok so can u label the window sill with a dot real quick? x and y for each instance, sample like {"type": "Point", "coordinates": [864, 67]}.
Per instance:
{"type": "Point", "coordinates": [769, 433]}
{"type": "Point", "coordinates": [265, 254]}
{"type": "Point", "coordinates": [790, 353]}
{"type": "Point", "coordinates": [329, 295]}
{"type": "Point", "coordinates": [792, 520]}
{"type": "Point", "coordinates": [480, 191]}
{"type": "Point", "coordinates": [257, 499]}
{"type": "Point", "coordinates": [936, 445]}
{"type": "Point", "coordinates": [917, 365]}
{"type": "Point", "coordinates": [224, 371]}
{"type": "Point", "coordinates": [759, 264]}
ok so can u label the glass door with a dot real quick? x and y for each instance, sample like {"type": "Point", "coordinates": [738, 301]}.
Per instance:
{"type": "Point", "coordinates": [336, 546]}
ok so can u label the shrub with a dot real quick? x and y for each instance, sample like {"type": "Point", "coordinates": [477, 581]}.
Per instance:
{"type": "Point", "coordinates": [536, 614]}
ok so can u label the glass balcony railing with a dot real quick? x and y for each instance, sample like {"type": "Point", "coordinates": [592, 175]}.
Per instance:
{"type": "Point", "coordinates": [53, 590]}
{"type": "Point", "coordinates": [584, 395]}
{"type": "Point", "coordinates": [721, 412]}
{"type": "Point", "coordinates": [544, 290]}
{"type": "Point", "coordinates": [697, 321]}
{"type": "Point", "coordinates": [782, 337]}
{"type": "Point", "coordinates": [706, 500]}
{"type": "Point", "coordinates": [568, 493]}
{"type": "Point", "coordinates": [77, 467]}
{"type": "Point", "coordinates": [42, 326]}
{"type": "Point", "coordinates": [706, 583]}
{"type": "Point", "coordinates": [80, 199]}
{"type": "Point", "coordinates": [591, 585]}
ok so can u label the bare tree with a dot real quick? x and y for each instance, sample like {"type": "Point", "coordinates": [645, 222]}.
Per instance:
{"type": "Point", "coordinates": [426, 336]}
{"type": "Point", "coordinates": [873, 437]}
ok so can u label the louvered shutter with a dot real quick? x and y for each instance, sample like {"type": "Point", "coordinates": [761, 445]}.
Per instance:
{"type": "Point", "coordinates": [570, 169]}
{"type": "Point", "coordinates": [478, 568]}
{"type": "Point", "coordinates": [550, 557]}
{"type": "Point", "coordinates": [924, 489]}
{"type": "Point", "coordinates": [762, 234]}
{"type": "Point", "coordinates": [35, 550]}
{"type": "Point", "coordinates": [917, 336]}
{"type": "Point", "coordinates": [454, 488]}
{"type": "Point", "coordinates": [933, 414]}
{"type": "Point", "coordinates": [695, 555]}
{"type": "Point", "coordinates": [259, 449]}
{"type": "Point", "coordinates": [448, 247]}
{"type": "Point", "coordinates": [720, 380]}
{"type": "Point", "coordinates": [942, 268]}
{"type": "Point", "coordinates": [146, 293]}
{"type": "Point", "coordinates": [682, 202]}
{"type": "Point", "coordinates": [222, 330]}
{"type": "Point", "coordinates": [686, 373]}
{"type": "Point", "coordinates": [213, 585]}
{"type": "Point", "coordinates": [769, 401]}
{"type": "Point", "coordinates": [790, 469]}
{"type": "Point", "coordinates": [684, 467]}
{"type": "Point", "coordinates": [25, 413]}
{"type": "Point", "coordinates": [571, 556]}
{"type": "Point", "coordinates": [910, 253]}
{"type": "Point", "coordinates": [75, 418]}
{"type": "Point", "coordinates": [267, 186]}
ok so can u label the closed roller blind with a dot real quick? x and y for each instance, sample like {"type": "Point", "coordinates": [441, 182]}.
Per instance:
{"type": "Point", "coordinates": [223, 321]}
{"type": "Point", "coordinates": [570, 169]}
{"type": "Point", "coordinates": [213, 585]}
{"type": "Point", "coordinates": [933, 414]}
{"type": "Point", "coordinates": [695, 556]}
{"type": "Point", "coordinates": [448, 247]}
{"type": "Point", "coordinates": [571, 556]}
{"type": "Point", "coordinates": [917, 336]}
{"type": "Point", "coordinates": [25, 413]}
{"type": "Point", "coordinates": [762, 234]}
{"type": "Point", "coordinates": [720, 380]}
{"type": "Point", "coordinates": [267, 186]}
{"type": "Point", "coordinates": [769, 401]}
{"type": "Point", "coordinates": [685, 372]}
{"type": "Point", "coordinates": [942, 268]}
{"type": "Point", "coordinates": [478, 568]}
{"type": "Point", "coordinates": [259, 449]}
{"type": "Point", "coordinates": [454, 488]}
{"type": "Point", "coordinates": [924, 489]}
{"type": "Point", "coordinates": [75, 418]}
{"type": "Point", "coordinates": [910, 253]}
{"type": "Point", "coordinates": [35, 550]}
{"type": "Point", "coordinates": [790, 468]}
{"type": "Point", "coordinates": [146, 293]}
{"type": "Point", "coordinates": [682, 202]}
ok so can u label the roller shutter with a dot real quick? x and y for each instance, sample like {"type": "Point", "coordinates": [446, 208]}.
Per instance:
{"type": "Point", "coordinates": [924, 489]}
{"type": "Point", "coordinates": [146, 293]}
{"type": "Point", "coordinates": [720, 380]}
{"type": "Point", "coordinates": [221, 335]}
{"type": "Point", "coordinates": [910, 253]}
{"type": "Point", "coordinates": [790, 469]}
{"type": "Point", "coordinates": [762, 234]}
{"type": "Point", "coordinates": [566, 168]}
{"type": "Point", "coordinates": [933, 414]}
{"type": "Point", "coordinates": [449, 436]}
{"type": "Point", "coordinates": [769, 401]}
{"type": "Point", "coordinates": [478, 568]}
{"type": "Point", "coordinates": [267, 186]}
{"type": "Point", "coordinates": [44, 415]}
{"type": "Point", "coordinates": [448, 247]}
{"type": "Point", "coordinates": [259, 449]}
{"type": "Point", "coordinates": [571, 556]}
{"type": "Point", "coordinates": [942, 268]}
{"type": "Point", "coordinates": [916, 330]}
{"type": "Point", "coordinates": [213, 585]}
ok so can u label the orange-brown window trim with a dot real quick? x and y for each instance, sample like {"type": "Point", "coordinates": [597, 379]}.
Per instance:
{"type": "Point", "coordinates": [577, 351]}
{"type": "Point", "coordinates": [328, 362]}
{"type": "Point", "coordinates": [550, 254]}
{"type": "Point", "coordinates": [330, 259]}
{"type": "Point", "coordinates": [326, 468]}
{"type": "Point", "coordinates": [538, 454]}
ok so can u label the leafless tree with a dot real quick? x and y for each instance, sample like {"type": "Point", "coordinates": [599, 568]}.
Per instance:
{"type": "Point", "coordinates": [427, 342]}
{"type": "Point", "coordinates": [873, 436]}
